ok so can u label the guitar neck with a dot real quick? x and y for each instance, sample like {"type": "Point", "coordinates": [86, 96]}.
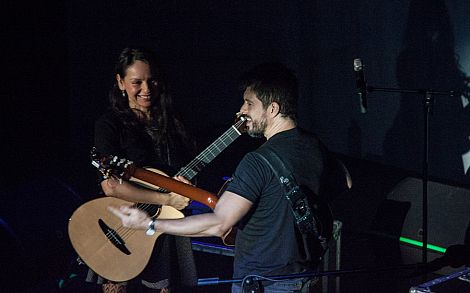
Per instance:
{"type": "Point", "coordinates": [212, 151]}
{"type": "Point", "coordinates": [168, 183]}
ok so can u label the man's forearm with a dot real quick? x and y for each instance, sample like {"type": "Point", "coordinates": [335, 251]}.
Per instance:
{"type": "Point", "coordinates": [193, 226]}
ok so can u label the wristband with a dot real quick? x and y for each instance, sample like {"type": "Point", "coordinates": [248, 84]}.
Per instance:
{"type": "Point", "coordinates": [150, 228]}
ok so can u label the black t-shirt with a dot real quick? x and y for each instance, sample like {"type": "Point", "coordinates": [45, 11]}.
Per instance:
{"type": "Point", "coordinates": [266, 241]}
{"type": "Point", "coordinates": [113, 138]}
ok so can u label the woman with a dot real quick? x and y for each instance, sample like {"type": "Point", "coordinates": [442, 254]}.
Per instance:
{"type": "Point", "coordinates": [141, 127]}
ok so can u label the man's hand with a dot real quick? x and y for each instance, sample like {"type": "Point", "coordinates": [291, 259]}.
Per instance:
{"type": "Point", "coordinates": [131, 217]}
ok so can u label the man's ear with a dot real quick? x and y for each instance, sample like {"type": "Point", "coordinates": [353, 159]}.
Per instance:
{"type": "Point", "coordinates": [274, 109]}
{"type": "Point", "coordinates": [120, 82]}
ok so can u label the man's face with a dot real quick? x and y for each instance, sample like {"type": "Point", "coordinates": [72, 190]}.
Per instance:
{"type": "Point", "coordinates": [253, 108]}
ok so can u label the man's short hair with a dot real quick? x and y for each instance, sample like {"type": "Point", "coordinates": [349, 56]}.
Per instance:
{"type": "Point", "coordinates": [273, 82]}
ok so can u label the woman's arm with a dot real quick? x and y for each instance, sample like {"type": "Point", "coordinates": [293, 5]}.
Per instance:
{"type": "Point", "coordinates": [130, 192]}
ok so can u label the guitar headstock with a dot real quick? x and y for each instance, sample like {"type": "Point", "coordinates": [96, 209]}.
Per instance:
{"type": "Point", "coordinates": [112, 166]}
{"type": "Point", "coordinates": [240, 122]}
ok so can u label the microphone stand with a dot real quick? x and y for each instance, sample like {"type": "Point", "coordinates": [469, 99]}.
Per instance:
{"type": "Point", "coordinates": [428, 101]}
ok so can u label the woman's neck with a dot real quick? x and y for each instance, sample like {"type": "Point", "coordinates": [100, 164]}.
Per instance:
{"type": "Point", "coordinates": [142, 115]}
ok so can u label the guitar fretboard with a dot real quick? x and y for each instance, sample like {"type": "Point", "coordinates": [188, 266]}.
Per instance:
{"type": "Point", "coordinates": [212, 151]}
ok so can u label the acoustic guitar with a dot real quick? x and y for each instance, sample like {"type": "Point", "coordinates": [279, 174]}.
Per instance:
{"type": "Point", "coordinates": [118, 253]}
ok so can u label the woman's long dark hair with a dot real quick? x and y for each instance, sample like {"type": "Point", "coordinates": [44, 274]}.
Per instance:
{"type": "Point", "coordinates": [163, 125]}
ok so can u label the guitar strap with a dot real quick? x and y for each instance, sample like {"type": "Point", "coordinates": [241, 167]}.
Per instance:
{"type": "Point", "coordinates": [298, 201]}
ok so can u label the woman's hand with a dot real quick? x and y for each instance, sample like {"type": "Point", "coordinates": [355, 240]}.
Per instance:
{"type": "Point", "coordinates": [182, 179]}
{"type": "Point", "coordinates": [177, 201]}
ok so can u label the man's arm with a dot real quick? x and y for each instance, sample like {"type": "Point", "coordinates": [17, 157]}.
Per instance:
{"type": "Point", "coordinates": [229, 210]}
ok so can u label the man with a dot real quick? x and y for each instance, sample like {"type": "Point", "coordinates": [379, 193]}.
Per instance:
{"type": "Point", "coordinates": [267, 241]}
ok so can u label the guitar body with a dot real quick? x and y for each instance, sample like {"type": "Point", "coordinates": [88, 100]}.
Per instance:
{"type": "Point", "coordinates": [94, 243]}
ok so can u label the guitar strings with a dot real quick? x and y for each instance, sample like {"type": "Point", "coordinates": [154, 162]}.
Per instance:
{"type": "Point", "coordinates": [233, 129]}
{"type": "Point", "coordinates": [125, 232]}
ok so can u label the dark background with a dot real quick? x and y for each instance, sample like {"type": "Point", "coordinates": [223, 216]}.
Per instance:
{"type": "Point", "coordinates": [59, 58]}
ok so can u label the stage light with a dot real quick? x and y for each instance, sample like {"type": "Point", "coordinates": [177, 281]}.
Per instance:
{"type": "Point", "coordinates": [420, 244]}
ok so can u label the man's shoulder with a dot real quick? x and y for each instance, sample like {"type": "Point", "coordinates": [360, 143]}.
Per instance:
{"type": "Point", "coordinates": [253, 156]}
{"type": "Point", "coordinates": [300, 138]}
{"type": "Point", "coordinates": [307, 134]}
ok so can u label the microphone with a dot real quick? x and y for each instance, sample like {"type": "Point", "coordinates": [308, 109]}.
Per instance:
{"type": "Point", "coordinates": [361, 84]}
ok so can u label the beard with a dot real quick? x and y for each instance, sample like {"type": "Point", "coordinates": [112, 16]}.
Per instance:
{"type": "Point", "coordinates": [258, 128]}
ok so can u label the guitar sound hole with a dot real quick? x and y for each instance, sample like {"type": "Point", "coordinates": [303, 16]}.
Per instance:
{"type": "Point", "coordinates": [113, 237]}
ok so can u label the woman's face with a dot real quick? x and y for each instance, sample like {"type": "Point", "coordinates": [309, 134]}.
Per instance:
{"type": "Point", "coordinates": [138, 85]}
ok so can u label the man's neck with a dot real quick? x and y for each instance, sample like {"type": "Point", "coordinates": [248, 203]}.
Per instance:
{"type": "Point", "coordinates": [279, 124]}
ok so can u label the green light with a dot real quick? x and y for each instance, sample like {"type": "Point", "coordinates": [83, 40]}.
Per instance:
{"type": "Point", "coordinates": [420, 244]}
